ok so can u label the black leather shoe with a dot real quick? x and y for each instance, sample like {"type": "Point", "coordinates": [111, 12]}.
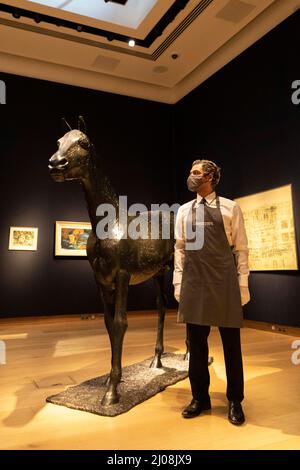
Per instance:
{"type": "Point", "coordinates": [235, 413]}
{"type": "Point", "coordinates": [195, 408]}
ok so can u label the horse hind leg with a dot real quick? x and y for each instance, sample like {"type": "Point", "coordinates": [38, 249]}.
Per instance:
{"type": "Point", "coordinates": [161, 302]}
{"type": "Point", "coordinates": [119, 328]}
{"type": "Point", "coordinates": [186, 356]}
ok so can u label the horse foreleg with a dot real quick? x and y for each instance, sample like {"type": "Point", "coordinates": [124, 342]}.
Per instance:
{"type": "Point", "coordinates": [109, 313]}
{"type": "Point", "coordinates": [119, 328]}
{"type": "Point", "coordinates": [161, 302]}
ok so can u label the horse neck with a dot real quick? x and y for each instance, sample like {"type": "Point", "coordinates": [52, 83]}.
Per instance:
{"type": "Point", "coordinates": [98, 190]}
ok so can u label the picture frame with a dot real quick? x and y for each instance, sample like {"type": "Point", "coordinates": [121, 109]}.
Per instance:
{"type": "Point", "coordinates": [270, 227]}
{"type": "Point", "coordinates": [71, 238]}
{"type": "Point", "coordinates": [23, 238]}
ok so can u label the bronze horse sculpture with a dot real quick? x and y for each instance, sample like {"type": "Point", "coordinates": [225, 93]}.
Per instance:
{"type": "Point", "coordinates": [117, 262]}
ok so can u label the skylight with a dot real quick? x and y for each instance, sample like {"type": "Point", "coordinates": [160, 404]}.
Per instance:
{"type": "Point", "coordinates": [130, 15]}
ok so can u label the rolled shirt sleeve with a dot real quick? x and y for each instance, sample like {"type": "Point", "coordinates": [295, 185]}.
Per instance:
{"type": "Point", "coordinates": [179, 250]}
{"type": "Point", "coordinates": [240, 245]}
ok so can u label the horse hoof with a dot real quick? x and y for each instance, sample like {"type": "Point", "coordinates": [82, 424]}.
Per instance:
{"type": "Point", "coordinates": [156, 363]}
{"type": "Point", "coordinates": [110, 398]}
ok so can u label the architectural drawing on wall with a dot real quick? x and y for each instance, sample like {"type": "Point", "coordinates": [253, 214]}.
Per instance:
{"type": "Point", "coordinates": [270, 229]}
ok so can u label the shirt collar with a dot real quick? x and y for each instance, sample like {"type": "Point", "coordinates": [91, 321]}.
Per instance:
{"type": "Point", "coordinates": [209, 198]}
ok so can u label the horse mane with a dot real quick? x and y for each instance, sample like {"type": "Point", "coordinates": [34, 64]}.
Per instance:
{"type": "Point", "coordinates": [101, 181]}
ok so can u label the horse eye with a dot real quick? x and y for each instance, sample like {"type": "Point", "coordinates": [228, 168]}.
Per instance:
{"type": "Point", "coordinates": [84, 144]}
{"type": "Point", "coordinates": [58, 143]}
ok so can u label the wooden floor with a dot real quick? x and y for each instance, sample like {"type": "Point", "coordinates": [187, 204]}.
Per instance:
{"type": "Point", "coordinates": [45, 354]}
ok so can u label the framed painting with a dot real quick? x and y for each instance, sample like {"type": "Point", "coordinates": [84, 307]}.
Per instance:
{"type": "Point", "coordinates": [71, 238]}
{"type": "Point", "coordinates": [23, 238]}
{"type": "Point", "coordinates": [269, 222]}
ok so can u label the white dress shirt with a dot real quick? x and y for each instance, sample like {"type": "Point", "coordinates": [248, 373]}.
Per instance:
{"type": "Point", "coordinates": [235, 231]}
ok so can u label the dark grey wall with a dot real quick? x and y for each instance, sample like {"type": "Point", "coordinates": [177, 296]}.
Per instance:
{"type": "Point", "coordinates": [243, 118]}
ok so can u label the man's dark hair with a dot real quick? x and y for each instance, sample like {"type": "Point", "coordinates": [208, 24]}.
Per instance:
{"type": "Point", "coordinates": [210, 168]}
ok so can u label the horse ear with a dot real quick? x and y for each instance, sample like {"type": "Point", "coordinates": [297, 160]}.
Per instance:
{"type": "Point", "coordinates": [81, 124]}
{"type": "Point", "coordinates": [65, 123]}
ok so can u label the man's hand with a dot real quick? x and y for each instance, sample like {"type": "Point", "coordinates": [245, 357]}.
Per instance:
{"type": "Point", "coordinates": [245, 295]}
{"type": "Point", "coordinates": [177, 292]}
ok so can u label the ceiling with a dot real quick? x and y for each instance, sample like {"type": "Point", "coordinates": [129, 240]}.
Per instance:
{"type": "Point", "coordinates": [179, 43]}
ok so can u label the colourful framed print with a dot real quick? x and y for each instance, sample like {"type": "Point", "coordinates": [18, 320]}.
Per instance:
{"type": "Point", "coordinates": [71, 238]}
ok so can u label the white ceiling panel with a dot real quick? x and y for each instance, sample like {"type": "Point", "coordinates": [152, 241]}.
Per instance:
{"type": "Point", "coordinates": [130, 15]}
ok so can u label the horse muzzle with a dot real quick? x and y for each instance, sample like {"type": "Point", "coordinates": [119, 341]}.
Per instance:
{"type": "Point", "coordinates": [57, 166]}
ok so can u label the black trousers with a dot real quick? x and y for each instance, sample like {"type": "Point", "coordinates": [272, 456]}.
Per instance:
{"type": "Point", "coordinates": [198, 367]}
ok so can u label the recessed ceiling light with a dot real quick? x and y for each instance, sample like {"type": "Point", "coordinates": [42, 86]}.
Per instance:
{"type": "Point", "coordinates": [131, 43]}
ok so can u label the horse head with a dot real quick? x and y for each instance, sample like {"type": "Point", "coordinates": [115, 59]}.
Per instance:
{"type": "Point", "coordinates": [71, 160]}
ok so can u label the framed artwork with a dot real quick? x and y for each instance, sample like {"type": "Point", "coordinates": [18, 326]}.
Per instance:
{"type": "Point", "coordinates": [269, 221]}
{"type": "Point", "coordinates": [23, 238]}
{"type": "Point", "coordinates": [71, 238]}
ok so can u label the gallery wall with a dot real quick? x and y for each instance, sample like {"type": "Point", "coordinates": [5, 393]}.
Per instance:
{"type": "Point", "coordinates": [243, 118]}
{"type": "Point", "coordinates": [132, 137]}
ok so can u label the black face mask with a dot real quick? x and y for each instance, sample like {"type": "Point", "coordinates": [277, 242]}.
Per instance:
{"type": "Point", "coordinates": [194, 182]}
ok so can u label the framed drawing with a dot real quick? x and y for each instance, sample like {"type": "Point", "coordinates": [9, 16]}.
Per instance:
{"type": "Point", "coordinates": [23, 238]}
{"type": "Point", "coordinates": [71, 238]}
{"type": "Point", "coordinates": [269, 222]}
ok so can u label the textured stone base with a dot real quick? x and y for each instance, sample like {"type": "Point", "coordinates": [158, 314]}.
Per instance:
{"type": "Point", "coordinates": [139, 383]}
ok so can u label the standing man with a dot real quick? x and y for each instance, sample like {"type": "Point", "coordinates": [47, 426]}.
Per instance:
{"type": "Point", "coordinates": [211, 285]}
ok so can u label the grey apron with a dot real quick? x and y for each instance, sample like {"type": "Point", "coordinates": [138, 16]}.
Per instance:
{"type": "Point", "coordinates": [210, 293]}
